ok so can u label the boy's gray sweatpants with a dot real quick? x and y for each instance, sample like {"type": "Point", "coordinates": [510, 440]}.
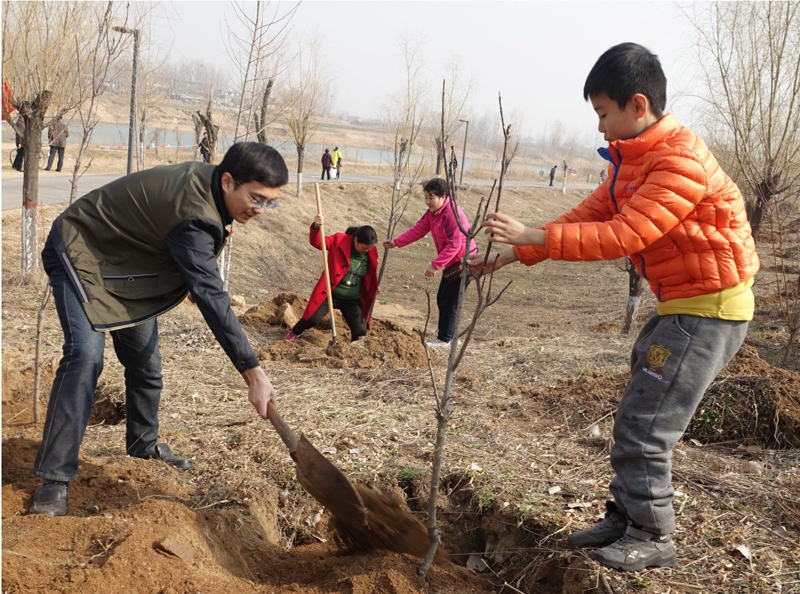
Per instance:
{"type": "Point", "coordinates": [674, 360]}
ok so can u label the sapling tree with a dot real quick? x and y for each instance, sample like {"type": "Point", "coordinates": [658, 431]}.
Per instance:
{"type": "Point", "coordinates": [303, 95]}
{"type": "Point", "coordinates": [44, 77]}
{"type": "Point", "coordinates": [405, 120]}
{"type": "Point", "coordinates": [253, 45]}
{"type": "Point", "coordinates": [95, 75]}
{"type": "Point", "coordinates": [485, 299]}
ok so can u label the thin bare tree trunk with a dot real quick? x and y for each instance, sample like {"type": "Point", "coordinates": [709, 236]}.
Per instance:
{"type": "Point", "coordinates": [261, 125]}
{"type": "Point", "coordinates": [634, 297]}
{"type": "Point", "coordinates": [300, 152]}
{"type": "Point", "coordinates": [37, 364]}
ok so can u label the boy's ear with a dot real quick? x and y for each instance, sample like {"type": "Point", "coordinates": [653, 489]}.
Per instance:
{"type": "Point", "coordinates": [641, 105]}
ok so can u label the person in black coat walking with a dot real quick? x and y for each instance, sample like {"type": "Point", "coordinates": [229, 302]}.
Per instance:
{"type": "Point", "coordinates": [327, 162]}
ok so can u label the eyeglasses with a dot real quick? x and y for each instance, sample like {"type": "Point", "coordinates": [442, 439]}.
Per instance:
{"type": "Point", "coordinates": [265, 204]}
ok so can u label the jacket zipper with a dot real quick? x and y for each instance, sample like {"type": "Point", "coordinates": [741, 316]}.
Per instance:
{"type": "Point", "coordinates": [606, 154]}
{"type": "Point", "coordinates": [130, 277]}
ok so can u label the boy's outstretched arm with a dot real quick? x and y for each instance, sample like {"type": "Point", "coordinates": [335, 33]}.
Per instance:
{"type": "Point", "coordinates": [495, 262]}
{"type": "Point", "coordinates": [505, 229]}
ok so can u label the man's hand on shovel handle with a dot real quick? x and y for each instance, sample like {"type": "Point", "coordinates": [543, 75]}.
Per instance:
{"type": "Point", "coordinates": [260, 390]}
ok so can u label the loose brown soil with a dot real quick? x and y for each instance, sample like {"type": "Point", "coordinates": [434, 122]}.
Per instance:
{"type": "Point", "coordinates": [526, 459]}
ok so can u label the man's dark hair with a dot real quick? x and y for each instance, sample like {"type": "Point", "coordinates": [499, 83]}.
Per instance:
{"type": "Point", "coordinates": [623, 71]}
{"type": "Point", "coordinates": [364, 234]}
{"type": "Point", "coordinates": [254, 161]}
{"type": "Point", "coordinates": [436, 186]}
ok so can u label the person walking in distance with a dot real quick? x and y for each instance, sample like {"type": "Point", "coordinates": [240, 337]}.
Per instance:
{"type": "Point", "coordinates": [553, 174]}
{"type": "Point", "coordinates": [57, 135]}
{"type": "Point", "coordinates": [327, 163]}
{"type": "Point", "coordinates": [205, 148]}
{"type": "Point", "coordinates": [337, 160]}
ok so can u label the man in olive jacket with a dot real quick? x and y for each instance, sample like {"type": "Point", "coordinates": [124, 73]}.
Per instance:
{"type": "Point", "coordinates": [120, 257]}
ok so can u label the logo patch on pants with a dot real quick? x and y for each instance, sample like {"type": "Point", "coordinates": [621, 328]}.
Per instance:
{"type": "Point", "coordinates": [657, 357]}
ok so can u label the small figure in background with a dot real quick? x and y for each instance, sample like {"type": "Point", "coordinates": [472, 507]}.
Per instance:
{"type": "Point", "coordinates": [337, 160]}
{"type": "Point", "coordinates": [327, 162]}
{"type": "Point", "coordinates": [205, 148]}
{"type": "Point", "coordinates": [57, 135]}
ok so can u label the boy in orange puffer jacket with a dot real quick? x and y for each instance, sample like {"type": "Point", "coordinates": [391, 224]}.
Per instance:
{"type": "Point", "coordinates": [668, 206]}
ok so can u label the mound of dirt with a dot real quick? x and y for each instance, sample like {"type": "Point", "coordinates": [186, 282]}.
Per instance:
{"type": "Point", "coordinates": [750, 400]}
{"type": "Point", "coordinates": [387, 344]}
{"type": "Point", "coordinates": [135, 526]}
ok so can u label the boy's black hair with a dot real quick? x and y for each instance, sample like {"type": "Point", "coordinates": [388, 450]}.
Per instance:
{"type": "Point", "coordinates": [623, 71]}
{"type": "Point", "coordinates": [364, 234]}
{"type": "Point", "coordinates": [436, 186]}
{"type": "Point", "coordinates": [254, 161]}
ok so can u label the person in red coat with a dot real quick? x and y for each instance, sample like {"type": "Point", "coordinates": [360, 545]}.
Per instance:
{"type": "Point", "coordinates": [353, 265]}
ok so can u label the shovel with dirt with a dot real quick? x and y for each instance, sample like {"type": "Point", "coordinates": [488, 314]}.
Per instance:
{"type": "Point", "coordinates": [364, 519]}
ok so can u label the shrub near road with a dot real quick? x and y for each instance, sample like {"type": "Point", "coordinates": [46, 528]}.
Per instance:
{"type": "Point", "coordinates": [534, 401]}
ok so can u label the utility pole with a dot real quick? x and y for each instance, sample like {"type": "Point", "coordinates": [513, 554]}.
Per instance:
{"type": "Point", "coordinates": [132, 125]}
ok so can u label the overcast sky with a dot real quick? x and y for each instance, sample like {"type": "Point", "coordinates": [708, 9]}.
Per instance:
{"type": "Point", "coordinates": [536, 54]}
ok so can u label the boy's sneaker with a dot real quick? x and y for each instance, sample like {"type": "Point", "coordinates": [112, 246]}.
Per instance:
{"type": "Point", "coordinates": [291, 337]}
{"type": "Point", "coordinates": [637, 550]}
{"type": "Point", "coordinates": [610, 530]}
{"type": "Point", "coordinates": [438, 343]}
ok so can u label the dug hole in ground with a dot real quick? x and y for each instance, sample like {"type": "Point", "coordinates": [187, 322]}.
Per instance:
{"type": "Point", "coordinates": [526, 459]}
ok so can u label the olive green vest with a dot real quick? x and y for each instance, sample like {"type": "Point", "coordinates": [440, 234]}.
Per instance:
{"type": "Point", "coordinates": [114, 239]}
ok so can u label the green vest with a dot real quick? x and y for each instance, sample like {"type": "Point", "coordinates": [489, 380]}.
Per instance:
{"type": "Point", "coordinates": [114, 239]}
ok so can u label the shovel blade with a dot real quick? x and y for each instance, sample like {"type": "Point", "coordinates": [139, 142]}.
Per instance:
{"type": "Point", "coordinates": [326, 483]}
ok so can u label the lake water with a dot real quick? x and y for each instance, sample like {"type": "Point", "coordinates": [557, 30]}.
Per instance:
{"type": "Point", "coordinates": [116, 135]}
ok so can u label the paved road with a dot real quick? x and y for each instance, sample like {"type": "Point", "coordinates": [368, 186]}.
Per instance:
{"type": "Point", "coordinates": [55, 189]}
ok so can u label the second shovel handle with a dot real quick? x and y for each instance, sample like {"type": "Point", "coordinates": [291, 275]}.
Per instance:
{"type": "Point", "coordinates": [325, 264]}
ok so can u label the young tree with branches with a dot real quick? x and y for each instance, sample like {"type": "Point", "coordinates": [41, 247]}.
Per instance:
{"type": "Point", "coordinates": [457, 349]}
{"type": "Point", "coordinates": [750, 53]}
{"type": "Point", "coordinates": [303, 95]}
{"type": "Point", "coordinates": [45, 81]}
{"type": "Point", "coordinates": [403, 113]}
{"type": "Point", "coordinates": [256, 48]}
{"type": "Point", "coordinates": [456, 103]}
{"type": "Point", "coordinates": [97, 73]}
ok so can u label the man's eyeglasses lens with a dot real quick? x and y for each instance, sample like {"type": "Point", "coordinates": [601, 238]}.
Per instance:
{"type": "Point", "coordinates": [265, 204]}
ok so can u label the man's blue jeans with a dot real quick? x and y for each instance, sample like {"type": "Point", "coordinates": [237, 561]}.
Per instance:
{"type": "Point", "coordinates": [76, 379]}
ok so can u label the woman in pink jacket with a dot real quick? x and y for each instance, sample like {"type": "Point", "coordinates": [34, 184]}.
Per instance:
{"type": "Point", "coordinates": [441, 222]}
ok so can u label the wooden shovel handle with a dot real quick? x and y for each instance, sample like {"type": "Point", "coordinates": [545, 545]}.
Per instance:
{"type": "Point", "coordinates": [286, 433]}
{"type": "Point", "coordinates": [325, 262]}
